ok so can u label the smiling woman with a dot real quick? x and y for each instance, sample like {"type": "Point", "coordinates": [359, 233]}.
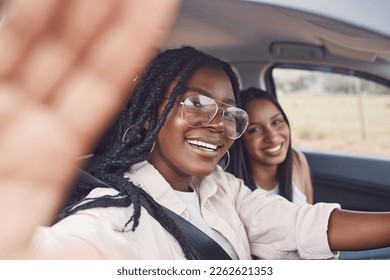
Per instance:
{"type": "Point", "coordinates": [264, 157]}
{"type": "Point", "coordinates": [174, 156]}
{"type": "Point", "coordinates": [157, 176]}
{"type": "Point", "coordinates": [184, 137]}
{"type": "Point", "coordinates": [162, 162]}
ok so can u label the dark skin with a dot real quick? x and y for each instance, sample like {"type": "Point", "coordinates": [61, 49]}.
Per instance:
{"type": "Point", "coordinates": [266, 142]}
{"type": "Point", "coordinates": [176, 159]}
{"type": "Point", "coordinates": [42, 135]}
{"type": "Point", "coordinates": [267, 129]}
{"type": "Point", "coordinates": [348, 230]}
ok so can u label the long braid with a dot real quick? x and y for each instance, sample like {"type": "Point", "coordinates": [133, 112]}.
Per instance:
{"type": "Point", "coordinates": [123, 151]}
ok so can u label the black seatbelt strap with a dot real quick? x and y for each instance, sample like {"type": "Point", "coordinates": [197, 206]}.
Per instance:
{"type": "Point", "coordinates": [207, 248]}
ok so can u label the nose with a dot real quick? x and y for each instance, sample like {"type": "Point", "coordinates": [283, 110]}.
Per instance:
{"type": "Point", "coordinates": [217, 122]}
{"type": "Point", "coordinates": [270, 135]}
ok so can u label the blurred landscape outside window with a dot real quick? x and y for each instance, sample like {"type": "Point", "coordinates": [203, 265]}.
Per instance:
{"type": "Point", "coordinates": [336, 112]}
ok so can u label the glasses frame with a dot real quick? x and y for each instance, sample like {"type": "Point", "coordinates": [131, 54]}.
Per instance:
{"type": "Point", "coordinates": [215, 114]}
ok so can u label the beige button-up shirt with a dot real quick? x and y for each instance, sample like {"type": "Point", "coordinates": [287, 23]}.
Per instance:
{"type": "Point", "coordinates": [254, 224]}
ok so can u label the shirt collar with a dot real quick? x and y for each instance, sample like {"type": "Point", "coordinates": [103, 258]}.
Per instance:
{"type": "Point", "coordinates": [149, 179]}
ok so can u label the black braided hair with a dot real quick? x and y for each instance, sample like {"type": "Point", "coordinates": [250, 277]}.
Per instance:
{"type": "Point", "coordinates": [239, 164]}
{"type": "Point", "coordinates": [116, 152]}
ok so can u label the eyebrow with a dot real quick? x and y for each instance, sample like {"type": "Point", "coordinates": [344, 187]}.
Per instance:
{"type": "Point", "coordinates": [274, 116]}
{"type": "Point", "coordinates": [229, 101]}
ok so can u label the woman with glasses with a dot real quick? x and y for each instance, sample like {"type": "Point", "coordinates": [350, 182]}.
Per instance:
{"type": "Point", "coordinates": [162, 157]}
{"type": "Point", "coordinates": [164, 148]}
{"type": "Point", "coordinates": [263, 156]}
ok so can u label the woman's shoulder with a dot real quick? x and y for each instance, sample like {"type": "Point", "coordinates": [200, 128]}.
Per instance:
{"type": "Point", "coordinates": [225, 182]}
{"type": "Point", "coordinates": [95, 195]}
{"type": "Point", "coordinates": [219, 174]}
{"type": "Point", "coordinates": [297, 154]}
{"type": "Point", "coordinates": [105, 211]}
{"type": "Point", "coordinates": [100, 192]}
{"type": "Point", "coordinates": [299, 159]}
{"type": "Point", "coordinates": [302, 174]}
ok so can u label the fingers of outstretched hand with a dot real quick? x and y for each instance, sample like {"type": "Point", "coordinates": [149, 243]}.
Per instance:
{"type": "Point", "coordinates": [81, 53]}
{"type": "Point", "coordinates": [58, 92]}
{"type": "Point", "coordinates": [24, 21]}
{"type": "Point", "coordinates": [41, 46]}
{"type": "Point", "coordinates": [62, 44]}
{"type": "Point", "coordinates": [106, 72]}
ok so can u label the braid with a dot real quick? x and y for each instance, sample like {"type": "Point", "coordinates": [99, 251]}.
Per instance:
{"type": "Point", "coordinates": [123, 151]}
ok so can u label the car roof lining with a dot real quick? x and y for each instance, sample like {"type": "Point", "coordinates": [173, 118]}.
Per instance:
{"type": "Point", "coordinates": [220, 27]}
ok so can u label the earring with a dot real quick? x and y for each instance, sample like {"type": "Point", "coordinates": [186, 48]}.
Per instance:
{"type": "Point", "coordinates": [151, 150]}
{"type": "Point", "coordinates": [124, 134]}
{"type": "Point", "coordinates": [127, 130]}
{"type": "Point", "coordinates": [228, 160]}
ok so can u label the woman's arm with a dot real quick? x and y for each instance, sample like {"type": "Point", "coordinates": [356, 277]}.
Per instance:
{"type": "Point", "coordinates": [351, 230]}
{"type": "Point", "coordinates": [66, 69]}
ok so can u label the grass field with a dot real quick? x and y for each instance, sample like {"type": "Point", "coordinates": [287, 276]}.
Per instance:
{"type": "Point", "coordinates": [341, 122]}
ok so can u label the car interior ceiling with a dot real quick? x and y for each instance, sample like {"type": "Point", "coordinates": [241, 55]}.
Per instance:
{"type": "Point", "coordinates": [242, 31]}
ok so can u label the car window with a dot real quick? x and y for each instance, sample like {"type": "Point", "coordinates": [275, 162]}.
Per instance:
{"type": "Point", "coordinates": [335, 111]}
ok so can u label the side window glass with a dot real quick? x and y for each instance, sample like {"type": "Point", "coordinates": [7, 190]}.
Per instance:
{"type": "Point", "coordinates": [337, 112]}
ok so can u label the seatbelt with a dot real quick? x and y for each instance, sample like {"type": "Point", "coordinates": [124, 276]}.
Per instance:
{"type": "Point", "coordinates": [206, 247]}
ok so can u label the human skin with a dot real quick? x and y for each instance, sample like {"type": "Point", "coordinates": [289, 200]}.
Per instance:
{"type": "Point", "coordinates": [62, 62]}
{"type": "Point", "coordinates": [178, 160]}
{"type": "Point", "coordinates": [44, 129]}
{"type": "Point", "coordinates": [266, 141]}
{"type": "Point", "coordinates": [347, 230]}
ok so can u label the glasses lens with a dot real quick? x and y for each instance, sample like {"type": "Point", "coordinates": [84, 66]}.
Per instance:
{"type": "Point", "coordinates": [198, 110]}
{"type": "Point", "coordinates": [235, 121]}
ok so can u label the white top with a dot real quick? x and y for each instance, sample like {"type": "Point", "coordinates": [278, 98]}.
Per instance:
{"type": "Point", "coordinates": [191, 200]}
{"type": "Point", "coordinates": [298, 197]}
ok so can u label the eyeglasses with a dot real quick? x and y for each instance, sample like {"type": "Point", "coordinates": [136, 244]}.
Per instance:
{"type": "Point", "coordinates": [200, 110]}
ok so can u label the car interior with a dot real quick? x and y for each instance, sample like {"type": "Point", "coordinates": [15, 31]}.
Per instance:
{"type": "Point", "coordinates": [293, 49]}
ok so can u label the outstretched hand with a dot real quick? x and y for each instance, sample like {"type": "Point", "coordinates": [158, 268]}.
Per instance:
{"type": "Point", "coordinates": [66, 68]}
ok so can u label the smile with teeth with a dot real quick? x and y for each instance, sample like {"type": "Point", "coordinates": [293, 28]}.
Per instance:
{"type": "Point", "coordinates": [203, 145]}
{"type": "Point", "coordinates": [274, 149]}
